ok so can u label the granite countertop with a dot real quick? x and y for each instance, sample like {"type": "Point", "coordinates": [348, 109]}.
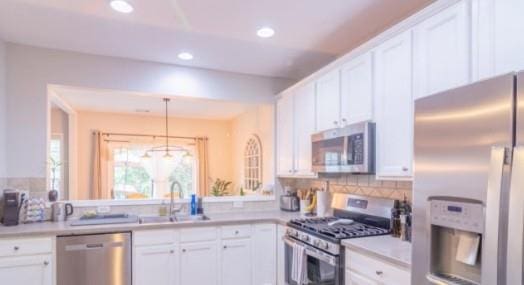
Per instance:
{"type": "Point", "coordinates": [386, 247]}
{"type": "Point", "coordinates": [216, 219]}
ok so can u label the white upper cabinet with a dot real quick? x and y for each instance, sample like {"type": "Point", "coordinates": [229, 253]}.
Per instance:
{"type": "Point", "coordinates": [285, 135]}
{"type": "Point", "coordinates": [328, 101]}
{"type": "Point", "coordinates": [304, 128]}
{"type": "Point", "coordinates": [499, 26]}
{"type": "Point", "coordinates": [442, 51]}
{"type": "Point", "coordinates": [394, 107]}
{"type": "Point", "coordinates": [356, 84]}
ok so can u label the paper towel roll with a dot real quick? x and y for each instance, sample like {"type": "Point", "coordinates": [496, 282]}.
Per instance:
{"type": "Point", "coordinates": [323, 203]}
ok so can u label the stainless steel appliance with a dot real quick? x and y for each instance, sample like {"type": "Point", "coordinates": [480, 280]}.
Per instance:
{"type": "Point", "coordinates": [350, 149]}
{"type": "Point", "coordinates": [11, 207]}
{"type": "Point", "coordinates": [289, 202]}
{"type": "Point", "coordinates": [469, 159]}
{"type": "Point", "coordinates": [100, 259]}
{"type": "Point", "coordinates": [321, 237]}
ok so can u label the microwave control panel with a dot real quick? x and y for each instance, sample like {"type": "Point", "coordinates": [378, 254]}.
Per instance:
{"type": "Point", "coordinates": [464, 216]}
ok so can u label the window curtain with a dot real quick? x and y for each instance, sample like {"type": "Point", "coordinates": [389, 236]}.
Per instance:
{"type": "Point", "coordinates": [100, 184]}
{"type": "Point", "coordinates": [203, 166]}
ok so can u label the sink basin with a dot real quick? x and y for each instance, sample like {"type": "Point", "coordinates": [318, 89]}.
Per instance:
{"type": "Point", "coordinates": [172, 219]}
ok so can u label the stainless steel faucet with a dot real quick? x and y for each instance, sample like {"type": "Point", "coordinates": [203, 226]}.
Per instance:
{"type": "Point", "coordinates": [172, 209]}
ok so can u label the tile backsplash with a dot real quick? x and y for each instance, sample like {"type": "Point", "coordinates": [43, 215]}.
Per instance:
{"type": "Point", "coordinates": [365, 185]}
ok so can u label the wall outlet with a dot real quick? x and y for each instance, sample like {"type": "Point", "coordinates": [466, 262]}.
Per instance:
{"type": "Point", "coordinates": [103, 209]}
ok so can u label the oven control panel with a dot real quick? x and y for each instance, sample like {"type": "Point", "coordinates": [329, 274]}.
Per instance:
{"type": "Point", "coordinates": [457, 215]}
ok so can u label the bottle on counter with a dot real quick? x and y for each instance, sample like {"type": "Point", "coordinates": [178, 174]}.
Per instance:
{"type": "Point", "coordinates": [395, 219]}
{"type": "Point", "coordinates": [193, 204]}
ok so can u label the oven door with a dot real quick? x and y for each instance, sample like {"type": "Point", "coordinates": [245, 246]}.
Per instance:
{"type": "Point", "coordinates": [322, 268]}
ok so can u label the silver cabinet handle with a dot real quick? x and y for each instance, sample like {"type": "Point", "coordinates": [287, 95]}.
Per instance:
{"type": "Point", "coordinates": [236, 232]}
{"type": "Point", "coordinates": [16, 248]}
{"type": "Point", "coordinates": [171, 251]}
{"type": "Point", "coordinates": [379, 272]}
{"type": "Point", "coordinates": [335, 123]}
{"type": "Point", "coordinates": [225, 246]}
{"type": "Point", "coordinates": [46, 263]}
{"type": "Point", "coordinates": [184, 250]}
{"type": "Point", "coordinates": [344, 121]}
{"type": "Point", "coordinates": [405, 168]}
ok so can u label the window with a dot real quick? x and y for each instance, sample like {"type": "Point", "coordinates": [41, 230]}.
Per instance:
{"type": "Point", "coordinates": [253, 164]}
{"type": "Point", "coordinates": [136, 177]}
{"type": "Point", "coordinates": [55, 162]}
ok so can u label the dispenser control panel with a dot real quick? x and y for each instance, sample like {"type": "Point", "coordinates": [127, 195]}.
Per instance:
{"type": "Point", "coordinates": [457, 215]}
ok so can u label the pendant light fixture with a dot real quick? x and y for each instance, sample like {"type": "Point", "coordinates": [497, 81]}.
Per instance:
{"type": "Point", "coordinates": [166, 148]}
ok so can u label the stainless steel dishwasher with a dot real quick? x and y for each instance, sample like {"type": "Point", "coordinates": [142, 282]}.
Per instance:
{"type": "Point", "coordinates": [99, 259]}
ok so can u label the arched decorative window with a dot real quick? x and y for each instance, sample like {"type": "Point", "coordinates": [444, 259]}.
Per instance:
{"type": "Point", "coordinates": [253, 164]}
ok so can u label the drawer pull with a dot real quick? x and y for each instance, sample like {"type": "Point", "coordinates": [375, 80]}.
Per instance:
{"type": "Point", "coordinates": [379, 272]}
{"type": "Point", "coordinates": [171, 251]}
{"type": "Point", "coordinates": [236, 232]}
{"type": "Point", "coordinates": [225, 246]}
{"type": "Point", "coordinates": [184, 250]}
{"type": "Point", "coordinates": [16, 248]}
{"type": "Point", "coordinates": [46, 263]}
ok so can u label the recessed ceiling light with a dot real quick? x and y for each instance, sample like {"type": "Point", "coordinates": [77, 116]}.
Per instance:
{"type": "Point", "coordinates": [121, 6]}
{"type": "Point", "coordinates": [265, 32]}
{"type": "Point", "coordinates": [185, 56]}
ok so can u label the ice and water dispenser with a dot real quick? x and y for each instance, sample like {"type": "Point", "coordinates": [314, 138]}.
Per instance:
{"type": "Point", "coordinates": [457, 226]}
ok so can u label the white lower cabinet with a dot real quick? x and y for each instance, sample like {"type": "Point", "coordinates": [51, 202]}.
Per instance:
{"type": "Point", "coordinates": [264, 254]}
{"type": "Point", "coordinates": [235, 262]}
{"type": "Point", "coordinates": [27, 261]}
{"type": "Point", "coordinates": [363, 269]}
{"type": "Point", "coordinates": [353, 278]}
{"type": "Point", "coordinates": [199, 263]}
{"type": "Point", "coordinates": [27, 270]}
{"type": "Point", "coordinates": [281, 255]}
{"type": "Point", "coordinates": [155, 265]}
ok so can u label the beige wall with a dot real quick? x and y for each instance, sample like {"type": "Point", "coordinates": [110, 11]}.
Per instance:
{"type": "Point", "coordinates": [218, 132]}
{"type": "Point", "coordinates": [260, 121]}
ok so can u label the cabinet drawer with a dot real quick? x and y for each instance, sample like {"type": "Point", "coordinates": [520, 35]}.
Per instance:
{"type": "Point", "coordinates": [377, 269]}
{"type": "Point", "coordinates": [154, 237]}
{"type": "Point", "coordinates": [18, 247]}
{"type": "Point", "coordinates": [198, 234]}
{"type": "Point", "coordinates": [240, 231]}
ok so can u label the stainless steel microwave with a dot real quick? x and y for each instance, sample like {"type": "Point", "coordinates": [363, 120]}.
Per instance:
{"type": "Point", "coordinates": [350, 149]}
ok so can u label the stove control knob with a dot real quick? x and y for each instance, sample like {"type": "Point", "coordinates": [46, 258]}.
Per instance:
{"type": "Point", "coordinates": [325, 245]}
{"type": "Point", "coordinates": [304, 237]}
{"type": "Point", "coordinates": [316, 243]}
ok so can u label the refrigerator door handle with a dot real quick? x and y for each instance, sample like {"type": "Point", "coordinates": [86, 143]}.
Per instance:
{"type": "Point", "coordinates": [490, 246]}
{"type": "Point", "coordinates": [516, 219]}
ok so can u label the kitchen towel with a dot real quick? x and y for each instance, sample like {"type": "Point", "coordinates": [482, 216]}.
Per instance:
{"type": "Point", "coordinates": [467, 247]}
{"type": "Point", "coordinates": [298, 264]}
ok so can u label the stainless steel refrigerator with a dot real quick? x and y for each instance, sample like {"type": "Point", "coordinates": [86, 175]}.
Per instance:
{"type": "Point", "coordinates": [468, 197]}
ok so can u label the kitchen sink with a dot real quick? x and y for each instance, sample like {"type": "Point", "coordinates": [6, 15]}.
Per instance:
{"type": "Point", "coordinates": [172, 219]}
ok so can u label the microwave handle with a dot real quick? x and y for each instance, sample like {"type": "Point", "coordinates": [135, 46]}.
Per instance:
{"type": "Point", "coordinates": [331, 260]}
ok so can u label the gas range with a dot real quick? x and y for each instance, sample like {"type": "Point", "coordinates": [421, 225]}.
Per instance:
{"type": "Point", "coordinates": [356, 217]}
{"type": "Point", "coordinates": [320, 238]}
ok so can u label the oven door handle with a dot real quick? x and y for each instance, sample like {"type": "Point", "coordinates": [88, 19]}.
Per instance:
{"type": "Point", "coordinates": [313, 252]}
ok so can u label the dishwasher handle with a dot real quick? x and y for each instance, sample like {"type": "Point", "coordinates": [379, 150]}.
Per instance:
{"type": "Point", "coordinates": [94, 246]}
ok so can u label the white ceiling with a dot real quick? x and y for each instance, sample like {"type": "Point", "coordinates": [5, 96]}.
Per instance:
{"type": "Point", "coordinates": [220, 33]}
{"type": "Point", "coordinates": [112, 101]}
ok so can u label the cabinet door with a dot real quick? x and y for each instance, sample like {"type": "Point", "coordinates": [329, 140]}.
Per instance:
{"type": "Point", "coordinates": [328, 101]}
{"type": "Point", "coordinates": [199, 263]}
{"type": "Point", "coordinates": [281, 255]}
{"type": "Point", "coordinates": [155, 265]}
{"type": "Point", "coordinates": [353, 278]}
{"type": "Point", "coordinates": [264, 254]}
{"type": "Point", "coordinates": [499, 25]}
{"type": "Point", "coordinates": [356, 83]}
{"type": "Point", "coordinates": [236, 262]}
{"type": "Point", "coordinates": [304, 128]}
{"type": "Point", "coordinates": [442, 51]}
{"type": "Point", "coordinates": [394, 107]}
{"type": "Point", "coordinates": [27, 270]}
{"type": "Point", "coordinates": [285, 135]}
